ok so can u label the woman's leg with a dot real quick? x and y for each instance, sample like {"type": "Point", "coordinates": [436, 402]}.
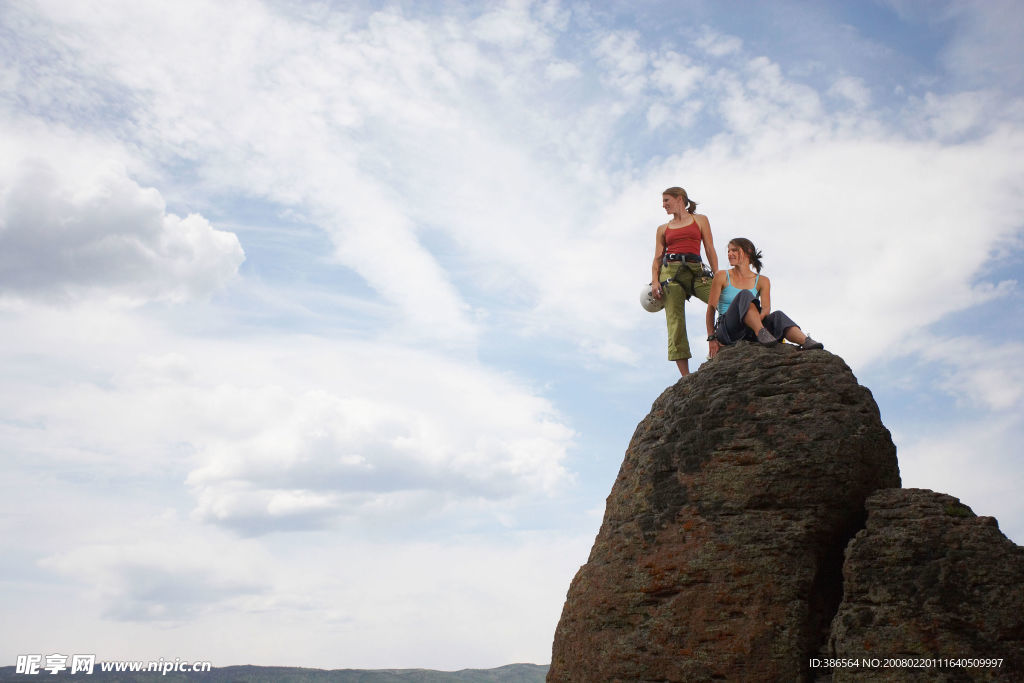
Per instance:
{"type": "Point", "coordinates": [675, 319]}
{"type": "Point", "coordinates": [796, 335]}
{"type": "Point", "coordinates": [781, 326]}
{"type": "Point", "coordinates": [752, 318]}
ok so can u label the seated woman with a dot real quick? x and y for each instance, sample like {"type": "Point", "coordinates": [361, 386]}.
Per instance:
{"type": "Point", "coordinates": [743, 300]}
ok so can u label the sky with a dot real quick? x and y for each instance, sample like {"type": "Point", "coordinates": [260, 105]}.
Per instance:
{"type": "Point", "coordinates": [320, 336]}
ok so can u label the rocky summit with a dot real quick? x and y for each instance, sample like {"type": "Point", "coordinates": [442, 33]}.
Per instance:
{"type": "Point", "coordinates": [740, 540]}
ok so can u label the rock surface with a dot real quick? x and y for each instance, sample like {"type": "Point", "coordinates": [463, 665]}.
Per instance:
{"type": "Point", "coordinates": [721, 550]}
{"type": "Point", "coordinates": [928, 579]}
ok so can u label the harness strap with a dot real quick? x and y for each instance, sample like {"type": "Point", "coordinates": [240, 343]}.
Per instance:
{"type": "Point", "coordinates": [675, 278]}
{"type": "Point", "coordinates": [692, 258]}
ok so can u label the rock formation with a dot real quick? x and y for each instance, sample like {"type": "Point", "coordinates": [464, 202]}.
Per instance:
{"type": "Point", "coordinates": [721, 554]}
{"type": "Point", "coordinates": [928, 579]}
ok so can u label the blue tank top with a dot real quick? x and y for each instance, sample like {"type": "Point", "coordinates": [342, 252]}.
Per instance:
{"type": "Point", "coordinates": [729, 293]}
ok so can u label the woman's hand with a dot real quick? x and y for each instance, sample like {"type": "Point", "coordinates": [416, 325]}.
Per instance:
{"type": "Point", "coordinates": [714, 347]}
{"type": "Point", "coordinates": [656, 289]}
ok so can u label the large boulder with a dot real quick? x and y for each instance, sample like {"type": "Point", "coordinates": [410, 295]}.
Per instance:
{"type": "Point", "coordinates": [930, 584]}
{"type": "Point", "coordinates": [720, 554]}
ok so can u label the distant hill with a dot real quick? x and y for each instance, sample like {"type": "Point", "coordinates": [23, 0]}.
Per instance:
{"type": "Point", "coordinates": [512, 673]}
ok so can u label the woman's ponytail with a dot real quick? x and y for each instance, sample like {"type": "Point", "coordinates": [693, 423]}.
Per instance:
{"type": "Point", "coordinates": [755, 260]}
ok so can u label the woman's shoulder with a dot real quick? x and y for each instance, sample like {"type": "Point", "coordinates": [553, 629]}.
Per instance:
{"type": "Point", "coordinates": [763, 280]}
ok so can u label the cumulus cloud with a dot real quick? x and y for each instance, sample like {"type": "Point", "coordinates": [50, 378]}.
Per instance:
{"type": "Point", "coordinates": [161, 571]}
{"type": "Point", "coordinates": [360, 603]}
{"type": "Point", "coordinates": [560, 71]}
{"type": "Point", "coordinates": [308, 459]}
{"type": "Point", "coordinates": [289, 432]}
{"type": "Point", "coordinates": [962, 114]}
{"type": "Point", "coordinates": [281, 115]}
{"type": "Point", "coordinates": [68, 238]}
{"type": "Point", "coordinates": [853, 90]}
{"type": "Point", "coordinates": [717, 44]}
{"type": "Point", "coordinates": [625, 62]}
{"type": "Point", "coordinates": [993, 380]}
{"type": "Point", "coordinates": [676, 75]}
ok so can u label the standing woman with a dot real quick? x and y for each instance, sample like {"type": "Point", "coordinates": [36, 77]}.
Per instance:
{"type": "Point", "coordinates": [742, 298]}
{"type": "Point", "coordinates": [678, 267]}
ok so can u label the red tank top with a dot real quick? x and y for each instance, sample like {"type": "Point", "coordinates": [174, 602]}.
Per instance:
{"type": "Point", "coordinates": [684, 240]}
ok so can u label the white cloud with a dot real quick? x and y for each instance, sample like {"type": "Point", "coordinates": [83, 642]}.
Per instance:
{"type": "Point", "coordinates": [959, 114]}
{"type": "Point", "coordinates": [658, 115]}
{"type": "Point", "coordinates": [287, 432]}
{"type": "Point", "coordinates": [676, 75]}
{"type": "Point", "coordinates": [163, 571]}
{"type": "Point", "coordinates": [74, 231]}
{"type": "Point", "coordinates": [975, 371]}
{"type": "Point", "coordinates": [624, 61]}
{"type": "Point", "coordinates": [717, 44]}
{"type": "Point", "coordinates": [768, 101]}
{"type": "Point", "coordinates": [508, 25]}
{"type": "Point", "coordinates": [853, 90]}
{"type": "Point", "coordinates": [306, 459]}
{"type": "Point", "coordinates": [359, 603]}
{"type": "Point", "coordinates": [560, 71]}
{"type": "Point", "coordinates": [274, 116]}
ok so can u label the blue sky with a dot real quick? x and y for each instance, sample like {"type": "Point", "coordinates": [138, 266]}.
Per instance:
{"type": "Point", "coordinates": [321, 341]}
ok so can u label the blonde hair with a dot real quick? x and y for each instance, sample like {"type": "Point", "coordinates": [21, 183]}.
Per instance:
{"type": "Point", "coordinates": [680, 193]}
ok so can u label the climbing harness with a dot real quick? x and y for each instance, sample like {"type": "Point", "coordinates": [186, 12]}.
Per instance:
{"type": "Point", "coordinates": [705, 272]}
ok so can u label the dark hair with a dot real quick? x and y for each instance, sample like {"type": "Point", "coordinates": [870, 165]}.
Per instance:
{"type": "Point", "coordinates": [750, 250]}
{"type": "Point", "coordinates": [691, 205]}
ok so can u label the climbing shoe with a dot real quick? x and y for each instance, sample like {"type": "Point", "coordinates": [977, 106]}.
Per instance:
{"type": "Point", "coordinates": [811, 344]}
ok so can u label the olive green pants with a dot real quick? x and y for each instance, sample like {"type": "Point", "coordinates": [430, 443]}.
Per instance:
{"type": "Point", "coordinates": [691, 282]}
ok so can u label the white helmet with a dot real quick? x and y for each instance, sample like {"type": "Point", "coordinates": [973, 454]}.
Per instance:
{"type": "Point", "coordinates": [648, 300]}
